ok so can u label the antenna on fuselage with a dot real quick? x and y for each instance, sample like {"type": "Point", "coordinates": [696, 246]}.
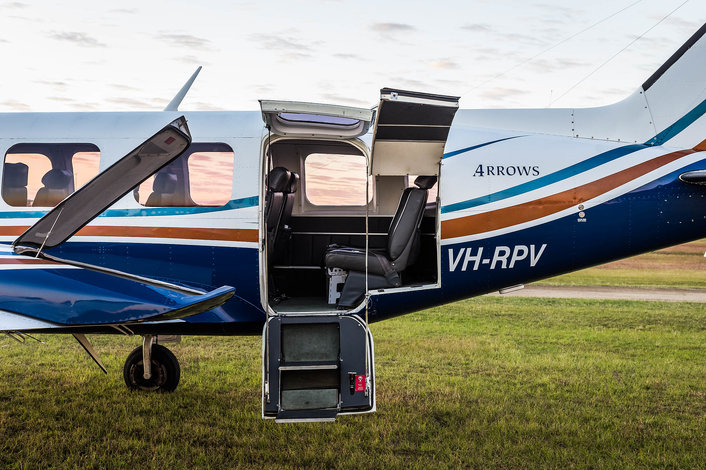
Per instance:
{"type": "Point", "coordinates": [176, 101]}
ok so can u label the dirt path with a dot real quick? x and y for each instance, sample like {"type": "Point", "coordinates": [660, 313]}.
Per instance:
{"type": "Point", "coordinates": [612, 293]}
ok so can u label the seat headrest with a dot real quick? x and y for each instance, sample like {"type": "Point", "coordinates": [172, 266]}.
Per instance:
{"type": "Point", "coordinates": [15, 175]}
{"type": "Point", "coordinates": [425, 182]}
{"type": "Point", "coordinates": [57, 179]}
{"type": "Point", "coordinates": [293, 183]}
{"type": "Point", "coordinates": [165, 183]}
{"type": "Point", "coordinates": [278, 179]}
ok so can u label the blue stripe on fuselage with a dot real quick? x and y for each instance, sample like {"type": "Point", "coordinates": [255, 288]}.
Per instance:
{"type": "Point", "coordinates": [468, 149]}
{"type": "Point", "coordinates": [251, 201]}
{"type": "Point", "coordinates": [551, 178]}
{"type": "Point", "coordinates": [676, 128]}
{"type": "Point", "coordinates": [660, 139]}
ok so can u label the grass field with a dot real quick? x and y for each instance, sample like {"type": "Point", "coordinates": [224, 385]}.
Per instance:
{"type": "Point", "coordinates": [499, 382]}
{"type": "Point", "coordinates": [491, 382]}
{"type": "Point", "coordinates": [682, 266]}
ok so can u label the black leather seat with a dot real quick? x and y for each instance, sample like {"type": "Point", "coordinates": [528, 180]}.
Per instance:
{"type": "Point", "coordinates": [14, 184]}
{"type": "Point", "coordinates": [164, 191]}
{"type": "Point", "coordinates": [57, 186]}
{"type": "Point", "coordinates": [277, 184]}
{"type": "Point", "coordinates": [282, 185]}
{"type": "Point", "coordinates": [284, 231]}
{"type": "Point", "coordinates": [384, 267]}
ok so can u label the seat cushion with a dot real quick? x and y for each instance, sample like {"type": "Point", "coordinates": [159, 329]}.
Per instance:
{"type": "Point", "coordinates": [353, 259]}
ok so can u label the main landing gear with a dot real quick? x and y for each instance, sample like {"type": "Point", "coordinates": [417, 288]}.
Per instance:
{"type": "Point", "coordinates": [151, 367]}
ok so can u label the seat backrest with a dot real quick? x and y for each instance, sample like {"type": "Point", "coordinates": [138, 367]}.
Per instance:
{"type": "Point", "coordinates": [14, 183]}
{"type": "Point", "coordinates": [57, 186]}
{"type": "Point", "coordinates": [277, 185]}
{"type": "Point", "coordinates": [404, 229]}
{"type": "Point", "coordinates": [278, 181]}
{"type": "Point", "coordinates": [289, 202]}
{"type": "Point", "coordinates": [163, 190]}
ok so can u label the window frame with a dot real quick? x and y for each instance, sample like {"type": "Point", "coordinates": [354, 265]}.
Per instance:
{"type": "Point", "coordinates": [313, 207]}
{"type": "Point", "coordinates": [60, 155]}
{"type": "Point", "coordinates": [185, 179]}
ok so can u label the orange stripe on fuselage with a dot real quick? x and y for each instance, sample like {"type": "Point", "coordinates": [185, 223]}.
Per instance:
{"type": "Point", "coordinates": [508, 216]}
{"type": "Point", "coordinates": [19, 260]}
{"type": "Point", "coordinates": [220, 234]}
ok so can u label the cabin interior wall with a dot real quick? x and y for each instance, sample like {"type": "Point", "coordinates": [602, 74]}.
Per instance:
{"type": "Point", "coordinates": [300, 272]}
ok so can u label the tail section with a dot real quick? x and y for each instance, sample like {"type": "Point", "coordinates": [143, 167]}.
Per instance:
{"type": "Point", "coordinates": [676, 95]}
{"type": "Point", "coordinates": [668, 109]}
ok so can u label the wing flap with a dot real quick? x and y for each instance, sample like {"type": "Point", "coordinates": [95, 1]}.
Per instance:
{"type": "Point", "coordinates": [77, 296]}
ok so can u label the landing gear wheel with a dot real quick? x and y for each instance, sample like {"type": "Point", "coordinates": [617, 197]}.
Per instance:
{"type": "Point", "coordinates": [165, 370]}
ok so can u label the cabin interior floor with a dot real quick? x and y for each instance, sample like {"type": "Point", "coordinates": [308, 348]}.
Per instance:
{"type": "Point", "coordinates": [303, 305]}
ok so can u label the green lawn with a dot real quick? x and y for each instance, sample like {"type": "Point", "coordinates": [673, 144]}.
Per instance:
{"type": "Point", "coordinates": [488, 382]}
{"type": "Point", "coordinates": [682, 266]}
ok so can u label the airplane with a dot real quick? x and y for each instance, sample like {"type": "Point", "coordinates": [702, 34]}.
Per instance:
{"type": "Point", "coordinates": [306, 222]}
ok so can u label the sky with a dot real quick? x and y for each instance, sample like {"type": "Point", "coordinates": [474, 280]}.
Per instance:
{"type": "Point", "coordinates": [135, 55]}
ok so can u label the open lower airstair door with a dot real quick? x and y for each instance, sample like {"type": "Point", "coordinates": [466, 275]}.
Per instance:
{"type": "Point", "coordinates": [410, 132]}
{"type": "Point", "coordinates": [316, 367]}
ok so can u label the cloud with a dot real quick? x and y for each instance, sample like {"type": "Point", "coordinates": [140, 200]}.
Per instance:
{"type": "Point", "coordinates": [272, 41]}
{"type": "Point", "coordinates": [345, 100]}
{"type": "Point", "coordinates": [477, 28]}
{"type": "Point", "coordinates": [680, 23]}
{"type": "Point", "coordinates": [345, 56]}
{"type": "Point", "coordinates": [80, 39]}
{"type": "Point", "coordinates": [444, 64]}
{"type": "Point", "coordinates": [289, 47]}
{"type": "Point", "coordinates": [125, 11]}
{"type": "Point", "coordinates": [54, 83]}
{"type": "Point", "coordinates": [392, 27]}
{"type": "Point", "coordinates": [451, 83]}
{"type": "Point", "coordinates": [410, 84]}
{"type": "Point", "coordinates": [13, 5]}
{"type": "Point", "coordinates": [201, 106]}
{"type": "Point", "coordinates": [191, 60]}
{"type": "Point", "coordinates": [514, 38]}
{"type": "Point", "coordinates": [502, 93]}
{"type": "Point", "coordinates": [15, 105]}
{"type": "Point", "coordinates": [184, 40]}
{"type": "Point", "coordinates": [555, 64]}
{"type": "Point", "coordinates": [119, 86]}
{"type": "Point", "coordinates": [130, 102]}
{"type": "Point", "coordinates": [61, 99]}
{"type": "Point", "coordinates": [262, 89]}
{"type": "Point", "coordinates": [565, 11]}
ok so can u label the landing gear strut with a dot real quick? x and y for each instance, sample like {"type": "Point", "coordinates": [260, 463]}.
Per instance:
{"type": "Point", "coordinates": [151, 367]}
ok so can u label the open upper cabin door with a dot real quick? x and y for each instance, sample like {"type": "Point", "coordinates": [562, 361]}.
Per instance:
{"type": "Point", "coordinates": [411, 131]}
{"type": "Point", "coordinates": [294, 118]}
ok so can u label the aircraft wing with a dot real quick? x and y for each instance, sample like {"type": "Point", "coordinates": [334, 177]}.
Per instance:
{"type": "Point", "coordinates": [37, 293]}
{"type": "Point", "coordinates": [37, 289]}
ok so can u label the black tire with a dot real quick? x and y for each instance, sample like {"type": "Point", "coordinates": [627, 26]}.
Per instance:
{"type": "Point", "coordinates": [165, 370]}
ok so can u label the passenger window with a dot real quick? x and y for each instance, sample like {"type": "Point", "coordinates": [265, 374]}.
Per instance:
{"type": "Point", "coordinates": [86, 166]}
{"type": "Point", "coordinates": [42, 175]}
{"type": "Point", "coordinates": [335, 180]}
{"type": "Point", "coordinates": [202, 176]}
{"type": "Point", "coordinates": [431, 192]}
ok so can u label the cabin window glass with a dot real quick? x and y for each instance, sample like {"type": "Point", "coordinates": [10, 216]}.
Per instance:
{"type": "Point", "coordinates": [431, 192]}
{"type": "Point", "coordinates": [86, 166]}
{"type": "Point", "coordinates": [42, 175]}
{"type": "Point", "coordinates": [336, 180]}
{"type": "Point", "coordinates": [202, 176]}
